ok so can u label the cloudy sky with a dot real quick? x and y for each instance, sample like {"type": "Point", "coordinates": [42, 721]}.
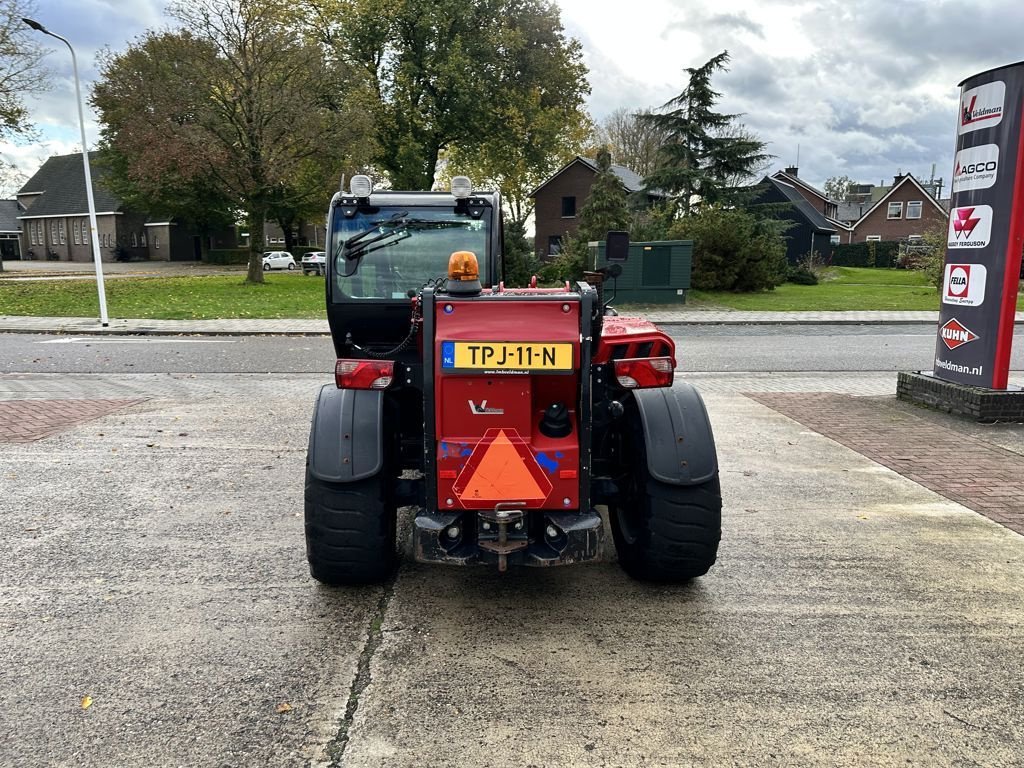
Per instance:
{"type": "Point", "coordinates": [865, 88]}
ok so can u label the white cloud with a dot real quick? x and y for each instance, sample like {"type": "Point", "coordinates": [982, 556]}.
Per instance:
{"type": "Point", "coordinates": [863, 87]}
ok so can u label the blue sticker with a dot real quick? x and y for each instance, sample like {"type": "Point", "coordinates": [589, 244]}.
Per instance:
{"type": "Point", "coordinates": [559, 455]}
{"type": "Point", "coordinates": [548, 464]}
{"type": "Point", "coordinates": [447, 354]}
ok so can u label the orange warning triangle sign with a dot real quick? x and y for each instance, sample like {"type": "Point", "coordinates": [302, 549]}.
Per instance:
{"type": "Point", "coordinates": [501, 473]}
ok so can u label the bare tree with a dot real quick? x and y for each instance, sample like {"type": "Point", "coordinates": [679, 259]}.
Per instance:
{"type": "Point", "coordinates": [632, 141]}
{"type": "Point", "coordinates": [21, 69]}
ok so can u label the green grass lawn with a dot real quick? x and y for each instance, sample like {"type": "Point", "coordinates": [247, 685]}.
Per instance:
{"type": "Point", "coordinates": [299, 296]}
{"type": "Point", "coordinates": [168, 298]}
{"type": "Point", "coordinates": [843, 288]}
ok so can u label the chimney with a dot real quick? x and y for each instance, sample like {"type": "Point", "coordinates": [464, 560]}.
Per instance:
{"type": "Point", "coordinates": [792, 171]}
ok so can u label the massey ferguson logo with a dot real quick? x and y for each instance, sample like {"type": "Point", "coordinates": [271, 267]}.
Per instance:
{"type": "Point", "coordinates": [982, 107]}
{"type": "Point", "coordinates": [964, 285]}
{"type": "Point", "coordinates": [970, 227]}
{"type": "Point", "coordinates": [483, 410]}
{"type": "Point", "coordinates": [976, 168]}
{"type": "Point", "coordinates": [956, 335]}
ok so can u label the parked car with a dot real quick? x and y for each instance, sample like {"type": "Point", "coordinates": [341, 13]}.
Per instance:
{"type": "Point", "coordinates": [314, 261]}
{"type": "Point", "coordinates": [278, 260]}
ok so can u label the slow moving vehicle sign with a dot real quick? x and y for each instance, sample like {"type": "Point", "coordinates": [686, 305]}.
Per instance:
{"type": "Point", "coordinates": [986, 232]}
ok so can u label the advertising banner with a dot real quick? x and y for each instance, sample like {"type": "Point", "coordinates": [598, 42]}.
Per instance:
{"type": "Point", "coordinates": [986, 232]}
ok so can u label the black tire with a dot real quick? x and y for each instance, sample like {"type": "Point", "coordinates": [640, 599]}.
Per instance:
{"type": "Point", "coordinates": [664, 532]}
{"type": "Point", "coordinates": [291, 266]}
{"type": "Point", "coordinates": [350, 531]}
{"type": "Point", "coordinates": [266, 267]}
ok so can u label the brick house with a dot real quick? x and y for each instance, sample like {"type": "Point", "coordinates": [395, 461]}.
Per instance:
{"type": "Point", "coordinates": [905, 212]}
{"type": "Point", "coordinates": [817, 199]}
{"type": "Point", "coordinates": [55, 219]}
{"type": "Point", "coordinates": [559, 200]}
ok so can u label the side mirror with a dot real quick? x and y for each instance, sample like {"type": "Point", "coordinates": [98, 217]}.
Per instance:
{"type": "Point", "coordinates": [616, 246]}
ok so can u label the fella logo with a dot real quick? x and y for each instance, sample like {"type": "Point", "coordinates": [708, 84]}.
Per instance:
{"type": "Point", "coordinates": [970, 227]}
{"type": "Point", "coordinates": [982, 107]}
{"type": "Point", "coordinates": [964, 285]}
{"type": "Point", "coordinates": [976, 168]}
{"type": "Point", "coordinates": [955, 334]}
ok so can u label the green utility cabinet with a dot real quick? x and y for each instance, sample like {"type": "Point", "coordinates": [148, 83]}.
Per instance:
{"type": "Point", "coordinates": [656, 272]}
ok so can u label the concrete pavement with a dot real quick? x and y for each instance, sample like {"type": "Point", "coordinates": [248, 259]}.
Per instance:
{"type": "Point", "coordinates": [154, 562]}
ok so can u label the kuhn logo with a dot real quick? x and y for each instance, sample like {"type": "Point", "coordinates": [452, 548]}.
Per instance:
{"type": "Point", "coordinates": [982, 107]}
{"type": "Point", "coordinates": [970, 227]}
{"type": "Point", "coordinates": [976, 168]}
{"type": "Point", "coordinates": [482, 409]}
{"type": "Point", "coordinates": [964, 285]}
{"type": "Point", "coordinates": [955, 334]}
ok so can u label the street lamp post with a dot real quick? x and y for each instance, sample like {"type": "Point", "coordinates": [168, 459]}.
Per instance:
{"type": "Point", "coordinates": [94, 230]}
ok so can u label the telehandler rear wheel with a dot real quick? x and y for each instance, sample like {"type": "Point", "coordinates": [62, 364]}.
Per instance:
{"type": "Point", "coordinates": [350, 530]}
{"type": "Point", "coordinates": [664, 532]}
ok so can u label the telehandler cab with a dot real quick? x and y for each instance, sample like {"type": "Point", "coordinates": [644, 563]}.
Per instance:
{"type": "Point", "coordinates": [506, 416]}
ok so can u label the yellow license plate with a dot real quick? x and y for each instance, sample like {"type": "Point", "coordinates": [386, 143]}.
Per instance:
{"type": "Point", "coordinates": [506, 356]}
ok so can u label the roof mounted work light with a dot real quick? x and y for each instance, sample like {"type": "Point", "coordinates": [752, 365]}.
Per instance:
{"type": "Point", "coordinates": [462, 187]}
{"type": "Point", "coordinates": [361, 186]}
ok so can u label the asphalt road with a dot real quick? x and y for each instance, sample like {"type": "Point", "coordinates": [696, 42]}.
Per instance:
{"type": "Point", "coordinates": [699, 348]}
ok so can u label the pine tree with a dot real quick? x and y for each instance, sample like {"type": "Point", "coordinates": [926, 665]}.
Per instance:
{"type": "Point", "coordinates": [706, 152]}
{"type": "Point", "coordinates": [606, 208]}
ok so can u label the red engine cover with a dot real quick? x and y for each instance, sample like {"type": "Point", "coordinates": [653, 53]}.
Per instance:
{"type": "Point", "coordinates": [492, 360]}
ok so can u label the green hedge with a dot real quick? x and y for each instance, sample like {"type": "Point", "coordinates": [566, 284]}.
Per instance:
{"type": "Point", "coordinates": [227, 256]}
{"type": "Point", "coordinates": [884, 253]}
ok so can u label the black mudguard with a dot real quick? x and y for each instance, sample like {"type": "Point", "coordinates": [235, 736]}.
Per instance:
{"type": "Point", "coordinates": [345, 440]}
{"type": "Point", "coordinates": [677, 433]}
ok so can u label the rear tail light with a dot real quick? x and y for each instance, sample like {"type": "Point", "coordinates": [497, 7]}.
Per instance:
{"type": "Point", "coordinates": [364, 374]}
{"type": "Point", "coordinates": [646, 372]}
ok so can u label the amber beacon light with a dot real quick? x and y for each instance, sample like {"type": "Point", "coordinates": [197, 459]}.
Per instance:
{"type": "Point", "coordinates": [463, 267]}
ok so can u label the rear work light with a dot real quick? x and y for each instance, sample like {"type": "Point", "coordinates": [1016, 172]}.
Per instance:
{"type": "Point", "coordinates": [645, 372]}
{"type": "Point", "coordinates": [364, 374]}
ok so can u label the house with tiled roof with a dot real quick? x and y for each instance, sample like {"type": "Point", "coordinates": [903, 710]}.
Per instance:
{"type": "Point", "coordinates": [905, 212]}
{"type": "Point", "coordinates": [559, 200]}
{"type": "Point", "coordinates": [817, 199]}
{"type": "Point", "coordinates": [54, 219]}
{"type": "Point", "coordinates": [809, 231]}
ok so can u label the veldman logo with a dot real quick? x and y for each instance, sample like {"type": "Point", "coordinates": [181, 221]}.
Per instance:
{"type": "Point", "coordinates": [956, 334]}
{"type": "Point", "coordinates": [970, 227]}
{"type": "Point", "coordinates": [964, 285]}
{"type": "Point", "coordinates": [975, 168]}
{"type": "Point", "coordinates": [982, 107]}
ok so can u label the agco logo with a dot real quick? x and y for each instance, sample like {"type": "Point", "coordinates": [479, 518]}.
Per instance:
{"type": "Point", "coordinates": [955, 334]}
{"type": "Point", "coordinates": [966, 170]}
{"type": "Point", "coordinates": [976, 168]}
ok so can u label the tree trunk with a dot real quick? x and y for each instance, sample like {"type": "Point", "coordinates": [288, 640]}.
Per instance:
{"type": "Point", "coordinates": [255, 221]}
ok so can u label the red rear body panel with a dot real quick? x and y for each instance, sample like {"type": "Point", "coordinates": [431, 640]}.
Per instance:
{"type": "Point", "coordinates": [485, 458]}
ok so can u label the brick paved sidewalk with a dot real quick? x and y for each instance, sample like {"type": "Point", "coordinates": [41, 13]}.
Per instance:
{"type": "Point", "coordinates": [972, 472]}
{"type": "Point", "coordinates": [25, 421]}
